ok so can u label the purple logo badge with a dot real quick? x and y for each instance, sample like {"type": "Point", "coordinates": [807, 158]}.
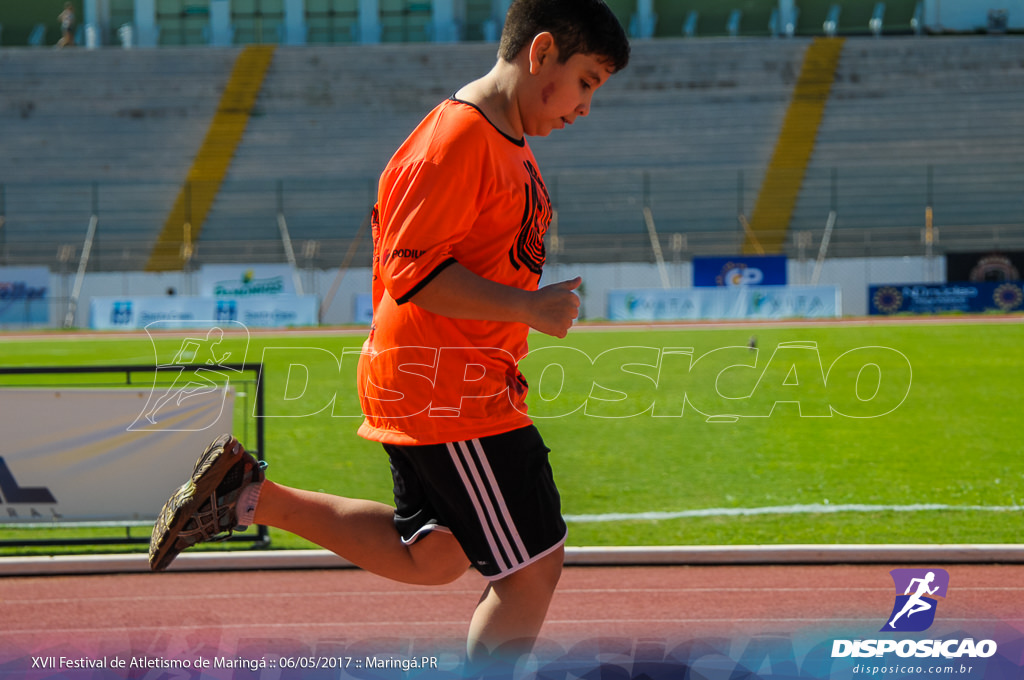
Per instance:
{"type": "Point", "coordinates": [916, 590]}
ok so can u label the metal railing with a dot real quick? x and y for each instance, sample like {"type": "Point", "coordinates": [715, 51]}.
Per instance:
{"type": "Point", "coordinates": [603, 215]}
{"type": "Point", "coordinates": [676, 247]}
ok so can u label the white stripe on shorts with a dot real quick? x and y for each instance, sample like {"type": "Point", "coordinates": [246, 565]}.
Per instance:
{"type": "Point", "coordinates": [513, 534]}
{"type": "Point", "coordinates": [478, 480]}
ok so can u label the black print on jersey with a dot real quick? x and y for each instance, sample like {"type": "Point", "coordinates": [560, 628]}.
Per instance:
{"type": "Point", "coordinates": [529, 246]}
{"type": "Point", "coordinates": [403, 253]}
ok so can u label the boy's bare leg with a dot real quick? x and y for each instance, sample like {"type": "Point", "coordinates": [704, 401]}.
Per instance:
{"type": "Point", "coordinates": [362, 532]}
{"type": "Point", "coordinates": [509, 616]}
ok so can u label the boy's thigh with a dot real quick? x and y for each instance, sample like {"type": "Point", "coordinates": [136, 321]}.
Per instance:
{"type": "Point", "coordinates": [496, 494]}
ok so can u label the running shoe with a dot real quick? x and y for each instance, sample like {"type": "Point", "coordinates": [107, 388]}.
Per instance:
{"type": "Point", "coordinates": [203, 508]}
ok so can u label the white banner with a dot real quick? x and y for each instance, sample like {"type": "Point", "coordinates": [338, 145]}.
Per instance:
{"type": "Point", "coordinates": [732, 303]}
{"type": "Point", "coordinates": [244, 280]}
{"type": "Point", "coordinates": [102, 455]}
{"type": "Point", "coordinates": [272, 311]}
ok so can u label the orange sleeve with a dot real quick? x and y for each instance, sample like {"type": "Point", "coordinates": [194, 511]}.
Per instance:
{"type": "Point", "coordinates": [426, 208]}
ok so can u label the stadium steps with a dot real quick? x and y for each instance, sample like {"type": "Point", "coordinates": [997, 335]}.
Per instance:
{"type": "Point", "coordinates": [326, 122]}
{"type": "Point", "coordinates": [784, 176]}
{"type": "Point", "coordinates": [714, 106]}
{"type": "Point", "coordinates": [127, 122]}
{"type": "Point", "coordinates": [185, 221]}
{"type": "Point", "coordinates": [687, 130]}
{"type": "Point", "coordinates": [913, 122]}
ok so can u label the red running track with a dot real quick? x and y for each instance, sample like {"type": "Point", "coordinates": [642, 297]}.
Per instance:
{"type": "Point", "coordinates": [629, 612]}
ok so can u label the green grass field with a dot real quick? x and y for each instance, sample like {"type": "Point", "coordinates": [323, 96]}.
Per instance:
{"type": "Point", "coordinates": [910, 416]}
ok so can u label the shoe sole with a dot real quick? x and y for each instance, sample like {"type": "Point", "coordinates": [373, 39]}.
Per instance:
{"type": "Point", "coordinates": [210, 470]}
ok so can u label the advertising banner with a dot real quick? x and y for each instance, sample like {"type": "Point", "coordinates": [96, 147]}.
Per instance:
{"type": "Point", "coordinates": [24, 296]}
{"type": "Point", "coordinates": [274, 311]}
{"type": "Point", "coordinates": [231, 280]}
{"type": "Point", "coordinates": [924, 298]}
{"type": "Point", "coordinates": [742, 270]}
{"type": "Point", "coordinates": [117, 455]}
{"type": "Point", "coordinates": [986, 266]}
{"type": "Point", "coordinates": [364, 308]}
{"type": "Point", "coordinates": [738, 302]}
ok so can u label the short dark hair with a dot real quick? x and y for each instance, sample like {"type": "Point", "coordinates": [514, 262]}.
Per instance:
{"type": "Point", "coordinates": [578, 26]}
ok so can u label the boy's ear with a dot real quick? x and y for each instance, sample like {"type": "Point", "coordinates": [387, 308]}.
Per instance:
{"type": "Point", "coordinates": [542, 49]}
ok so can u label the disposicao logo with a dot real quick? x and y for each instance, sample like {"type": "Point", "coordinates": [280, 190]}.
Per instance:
{"type": "Point", "coordinates": [913, 612]}
{"type": "Point", "coordinates": [915, 606]}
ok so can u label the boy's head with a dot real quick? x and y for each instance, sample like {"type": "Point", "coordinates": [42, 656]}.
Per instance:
{"type": "Point", "coordinates": [578, 27]}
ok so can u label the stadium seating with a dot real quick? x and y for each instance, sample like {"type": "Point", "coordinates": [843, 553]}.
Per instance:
{"type": "Point", "coordinates": [913, 122]}
{"type": "Point", "coordinates": [705, 105]}
{"type": "Point", "coordinates": [327, 120]}
{"type": "Point", "coordinates": [687, 131]}
{"type": "Point", "coordinates": [110, 130]}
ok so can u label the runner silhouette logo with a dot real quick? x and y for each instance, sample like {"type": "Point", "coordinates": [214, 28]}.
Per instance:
{"type": "Point", "coordinates": [916, 590]}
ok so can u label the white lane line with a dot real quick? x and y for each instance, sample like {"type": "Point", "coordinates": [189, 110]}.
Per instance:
{"type": "Point", "coordinates": [807, 509]}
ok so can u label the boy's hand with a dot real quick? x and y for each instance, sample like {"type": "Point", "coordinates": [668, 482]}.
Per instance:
{"type": "Point", "coordinates": [554, 307]}
{"type": "Point", "coordinates": [458, 293]}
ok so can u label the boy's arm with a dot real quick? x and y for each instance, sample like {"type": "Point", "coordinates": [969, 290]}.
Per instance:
{"type": "Point", "coordinates": [458, 293]}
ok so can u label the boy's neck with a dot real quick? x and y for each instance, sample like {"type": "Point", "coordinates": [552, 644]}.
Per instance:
{"type": "Point", "coordinates": [495, 95]}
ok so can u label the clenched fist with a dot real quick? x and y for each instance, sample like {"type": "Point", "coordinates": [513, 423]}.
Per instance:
{"type": "Point", "coordinates": [554, 307]}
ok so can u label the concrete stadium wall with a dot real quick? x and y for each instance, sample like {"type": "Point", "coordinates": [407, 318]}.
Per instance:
{"type": "Point", "coordinates": [852, 275]}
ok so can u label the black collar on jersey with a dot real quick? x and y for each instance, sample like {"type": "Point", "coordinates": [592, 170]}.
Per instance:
{"type": "Point", "coordinates": [517, 142]}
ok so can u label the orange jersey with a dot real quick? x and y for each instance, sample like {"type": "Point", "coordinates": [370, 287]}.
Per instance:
{"type": "Point", "coordinates": [458, 190]}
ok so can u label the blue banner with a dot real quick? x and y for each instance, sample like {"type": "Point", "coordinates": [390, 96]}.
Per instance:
{"type": "Point", "coordinates": [927, 298]}
{"type": "Point", "coordinates": [742, 270]}
{"type": "Point", "coordinates": [24, 296]}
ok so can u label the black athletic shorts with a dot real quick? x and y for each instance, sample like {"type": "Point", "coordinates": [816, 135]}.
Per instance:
{"type": "Point", "coordinates": [496, 495]}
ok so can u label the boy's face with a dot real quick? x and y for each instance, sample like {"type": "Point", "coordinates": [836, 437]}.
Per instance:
{"type": "Point", "coordinates": [560, 92]}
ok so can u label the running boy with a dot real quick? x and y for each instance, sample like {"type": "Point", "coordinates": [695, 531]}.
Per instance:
{"type": "Point", "coordinates": [458, 249]}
